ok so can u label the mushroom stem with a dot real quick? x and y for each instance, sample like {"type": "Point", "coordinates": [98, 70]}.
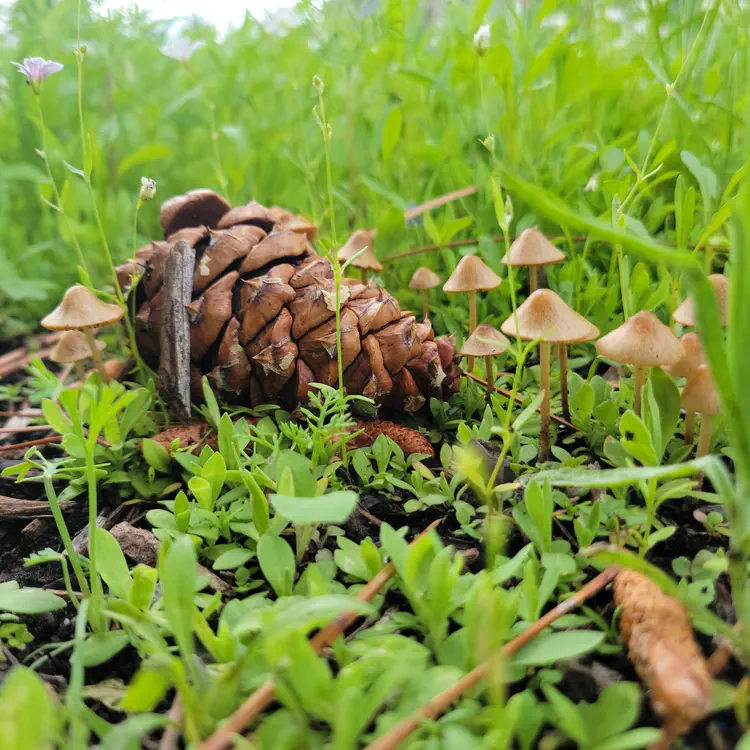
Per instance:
{"type": "Point", "coordinates": [533, 280]}
{"type": "Point", "coordinates": [704, 443]}
{"type": "Point", "coordinates": [689, 427]}
{"type": "Point", "coordinates": [472, 322]}
{"type": "Point", "coordinates": [564, 380]}
{"type": "Point", "coordinates": [544, 352]}
{"type": "Point", "coordinates": [80, 371]}
{"type": "Point", "coordinates": [426, 303]}
{"type": "Point", "coordinates": [490, 377]}
{"type": "Point", "coordinates": [96, 355]}
{"type": "Point", "coordinates": [640, 381]}
{"type": "Point", "coordinates": [363, 273]}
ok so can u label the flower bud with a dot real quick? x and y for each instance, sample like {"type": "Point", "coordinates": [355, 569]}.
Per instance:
{"type": "Point", "coordinates": [318, 84]}
{"type": "Point", "coordinates": [482, 40]}
{"type": "Point", "coordinates": [148, 189]}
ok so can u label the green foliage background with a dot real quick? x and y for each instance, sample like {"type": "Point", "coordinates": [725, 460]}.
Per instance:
{"type": "Point", "coordinates": [573, 91]}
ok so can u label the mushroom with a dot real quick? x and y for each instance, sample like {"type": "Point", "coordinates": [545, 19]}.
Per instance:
{"type": "Point", "coordinates": [686, 367]}
{"type": "Point", "coordinates": [81, 310]}
{"type": "Point", "coordinates": [642, 341]}
{"type": "Point", "coordinates": [423, 280]}
{"type": "Point", "coordinates": [362, 239]}
{"type": "Point", "coordinates": [700, 396]}
{"type": "Point", "coordinates": [544, 316]}
{"type": "Point", "coordinates": [471, 275]}
{"type": "Point", "coordinates": [486, 342]}
{"type": "Point", "coordinates": [531, 248]}
{"type": "Point", "coordinates": [73, 348]}
{"type": "Point", "coordinates": [685, 313]}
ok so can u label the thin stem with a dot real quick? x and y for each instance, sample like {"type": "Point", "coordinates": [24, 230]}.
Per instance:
{"type": "Point", "coordinates": [544, 437]}
{"type": "Point", "coordinates": [640, 381]}
{"type": "Point", "coordinates": [62, 530]}
{"type": "Point", "coordinates": [55, 191]}
{"type": "Point", "coordinates": [689, 427]}
{"type": "Point", "coordinates": [96, 354]}
{"type": "Point", "coordinates": [472, 322]}
{"type": "Point", "coordinates": [96, 585]}
{"type": "Point", "coordinates": [490, 377]}
{"type": "Point", "coordinates": [533, 279]}
{"type": "Point", "coordinates": [426, 303]}
{"type": "Point", "coordinates": [624, 284]}
{"type": "Point", "coordinates": [564, 380]}
{"type": "Point", "coordinates": [704, 441]}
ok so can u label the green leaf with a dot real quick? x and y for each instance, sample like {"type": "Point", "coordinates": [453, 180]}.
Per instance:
{"type": "Point", "coordinates": [55, 418]}
{"type": "Point", "coordinates": [548, 648]}
{"type": "Point", "coordinates": [705, 176]}
{"type": "Point", "coordinates": [335, 507]}
{"type": "Point", "coordinates": [615, 711]}
{"type": "Point", "coordinates": [101, 647]}
{"type": "Point", "coordinates": [128, 734]}
{"type": "Point", "coordinates": [632, 740]}
{"type": "Point", "coordinates": [147, 688]}
{"type": "Point", "coordinates": [28, 715]}
{"type": "Point", "coordinates": [28, 601]}
{"type": "Point", "coordinates": [156, 455]}
{"type": "Point", "coordinates": [144, 155]}
{"type": "Point", "coordinates": [569, 718]}
{"type": "Point", "coordinates": [177, 575]}
{"type": "Point", "coordinates": [636, 439]}
{"type": "Point", "coordinates": [276, 561]}
{"type": "Point", "coordinates": [111, 564]}
{"type": "Point", "coordinates": [392, 131]}
{"type": "Point", "coordinates": [233, 558]}
{"type": "Point", "coordinates": [662, 397]}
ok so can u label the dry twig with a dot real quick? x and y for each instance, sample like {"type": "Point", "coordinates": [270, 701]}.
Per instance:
{"type": "Point", "coordinates": [442, 701]}
{"type": "Point", "coordinates": [264, 695]}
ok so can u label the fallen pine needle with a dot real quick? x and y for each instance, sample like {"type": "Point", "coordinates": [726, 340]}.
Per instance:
{"type": "Point", "coordinates": [442, 701]}
{"type": "Point", "coordinates": [520, 399]}
{"type": "Point", "coordinates": [264, 695]}
{"type": "Point", "coordinates": [31, 443]}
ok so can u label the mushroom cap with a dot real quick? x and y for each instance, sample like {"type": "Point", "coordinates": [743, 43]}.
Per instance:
{"type": "Point", "coordinates": [532, 248]}
{"type": "Point", "coordinates": [545, 316]}
{"type": "Point", "coordinates": [685, 313]}
{"type": "Point", "coordinates": [361, 238]}
{"type": "Point", "coordinates": [80, 308]}
{"type": "Point", "coordinates": [700, 394]}
{"type": "Point", "coordinates": [642, 340]}
{"type": "Point", "coordinates": [424, 278]}
{"type": "Point", "coordinates": [692, 357]}
{"type": "Point", "coordinates": [486, 341]}
{"type": "Point", "coordinates": [471, 274]}
{"type": "Point", "coordinates": [73, 346]}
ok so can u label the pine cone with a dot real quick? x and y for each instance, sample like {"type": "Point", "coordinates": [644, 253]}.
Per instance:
{"type": "Point", "coordinates": [263, 321]}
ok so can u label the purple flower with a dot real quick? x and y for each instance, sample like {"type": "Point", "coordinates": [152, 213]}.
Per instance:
{"type": "Point", "coordinates": [36, 70]}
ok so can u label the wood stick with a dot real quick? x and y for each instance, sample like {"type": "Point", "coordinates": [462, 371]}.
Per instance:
{"type": "Point", "coordinates": [19, 364]}
{"type": "Point", "coordinates": [22, 413]}
{"type": "Point", "coordinates": [264, 695]}
{"type": "Point", "coordinates": [29, 428]}
{"type": "Point", "coordinates": [423, 208]}
{"type": "Point", "coordinates": [442, 701]}
{"type": "Point", "coordinates": [31, 443]}
{"type": "Point", "coordinates": [519, 399]}
{"type": "Point", "coordinates": [14, 508]}
{"type": "Point", "coordinates": [174, 359]}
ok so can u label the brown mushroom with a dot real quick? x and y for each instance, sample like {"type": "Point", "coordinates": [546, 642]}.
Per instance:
{"type": "Point", "coordinates": [700, 395]}
{"type": "Point", "coordinates": [486, 342]}
{"type": "Point", "coordinates": [362, 239]}
{"type": "Point", "coordinates": [685, 313]}
{"type": "Point", "coordinates": [531, 248]}
{"type": "Point", "coordinates": [73, 348]}
{"type": "Point", "coordinates": [692, 358]}
{"type": "Point", "coordinates": [81, 310]}
{"type": "Point", "coordinates": [642, 341]}
{"type": "Point", "coordinates": [472, 275]}
{"type": "Point", "coordinates": [545, 317]}
{"type": "Point", "coordinates": [423, 280]}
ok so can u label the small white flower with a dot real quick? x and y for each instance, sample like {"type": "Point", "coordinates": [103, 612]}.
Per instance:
{"type": "Point", "coordinates": [181, 49]}
{"type": "Point", "coordinates": [148, 189]}
{"type": "Point", "coordinates": [592, 184]}
{"type": "Point", "coordinates": [482, 39]}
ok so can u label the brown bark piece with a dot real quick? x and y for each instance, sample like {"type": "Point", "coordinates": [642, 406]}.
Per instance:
{"type": "Point", "coordinates": [409, 440]}
{"type": "Point", "coordinates": [174, 359]}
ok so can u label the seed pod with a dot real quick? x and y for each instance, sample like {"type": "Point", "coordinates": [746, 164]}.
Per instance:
{"type": "Point", "coordinates": [664, 652]}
